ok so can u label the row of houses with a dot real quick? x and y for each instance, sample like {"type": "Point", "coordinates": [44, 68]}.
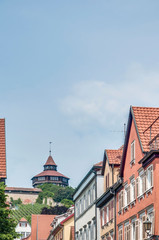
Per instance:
{"type": "Point", "coordinates": [119, 197]}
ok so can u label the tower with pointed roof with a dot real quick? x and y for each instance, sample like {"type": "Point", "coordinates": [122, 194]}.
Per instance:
{"type": "Point", "coordinates": [50, 175]}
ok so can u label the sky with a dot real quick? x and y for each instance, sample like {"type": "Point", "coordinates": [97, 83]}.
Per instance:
{"type": "Point", "coordinates": [69, 71]}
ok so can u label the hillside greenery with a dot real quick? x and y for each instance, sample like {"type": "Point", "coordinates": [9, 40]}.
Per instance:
{"type": "Point", "coordinates": [57, 193]}
{"type": "Point", "coordinates": [26, 211]}
{"type": "Point", "coordinates": [63, 195]}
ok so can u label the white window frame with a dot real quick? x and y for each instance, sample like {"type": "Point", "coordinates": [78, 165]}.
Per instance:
{"type": "Point", "coordinates": [132, 190]}
{"type": "Point", "coordinates": [149, 171]}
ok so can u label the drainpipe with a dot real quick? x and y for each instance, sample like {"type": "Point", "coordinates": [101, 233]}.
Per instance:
{"type": "Point", "coordinates": [96, 200]}
{"type": "Point", "coordinates": [112, 174]}
{"type": "Point", "coordinates": [115, 215]}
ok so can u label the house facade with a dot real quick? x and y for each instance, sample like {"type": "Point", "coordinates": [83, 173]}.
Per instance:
{"type": "Point", "coordinates": [106, 203]}
{"type": "Point", "coordinates": [87, 216]}
{"type": "Point", "coordinates": [63, 226]}
{"type": "Point", "coordinates": [23, 228]}
{"type": "Point", "coordinates": [138, 197]}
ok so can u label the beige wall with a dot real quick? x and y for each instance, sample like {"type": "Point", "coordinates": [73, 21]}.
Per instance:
{"type": "Point", "coordinates": [107, 229]}
{"type": "Point", "coordinates": [25, 197]}
{"type": "Point", "coordinates": [108, 169]}
{"type": "Point", "coordinates": [67, 228]}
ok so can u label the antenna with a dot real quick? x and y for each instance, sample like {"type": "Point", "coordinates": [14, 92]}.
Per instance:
{"type": "Point", "coordinates": [50, 148]}
{"type": "Point", "coordinates": [124, 130]}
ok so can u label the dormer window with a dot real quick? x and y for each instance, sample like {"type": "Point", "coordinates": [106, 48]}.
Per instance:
{"type": "Point", "coordinates": [132, 152]}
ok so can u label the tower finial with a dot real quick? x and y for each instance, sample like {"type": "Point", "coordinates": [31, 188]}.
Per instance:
{"type": "Point", "coordinates": [50, 148]}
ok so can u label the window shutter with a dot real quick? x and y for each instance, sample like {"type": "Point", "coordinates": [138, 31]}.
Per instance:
{"type": "Point", "coordinates": [122, 198]}
{"type": "Point", "coordinates": [125, 228]}
{"type": "Point", "coordinates": [151, 176]}
{"type": "Point", "coordinates": [153, 223]}
{"type": "Point", "coordinates": [101, 211]}
{"type": "Point", "coordinates": [137, 230]}
{"type": "Point", "coordinates": [144, 235]}
{"type": "Point", "coordinates": [146, 179]}
{"type": "Point", "coordinates": [128, 197]}
{"type": "Point", "coordinates": [137, 186]}
{"type": "Point", "coordinates": [119, 201]}
{"type": "Point", "coordinates": [105, 212]}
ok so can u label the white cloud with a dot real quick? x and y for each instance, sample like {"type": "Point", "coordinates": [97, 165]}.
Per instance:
{"type": "Point", "coordinates": [107, 104]}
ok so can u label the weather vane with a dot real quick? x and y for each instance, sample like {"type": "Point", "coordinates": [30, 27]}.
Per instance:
{"type": "Point", "coordinates": [50, 148]}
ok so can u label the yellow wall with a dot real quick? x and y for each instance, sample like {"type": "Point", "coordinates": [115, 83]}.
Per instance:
{"type": "Point", "coordinates": [108, 169]}
{"type": "Point", "coordinates": [67, 228]}
{"type": "Point", "coordinates": [65, 232]}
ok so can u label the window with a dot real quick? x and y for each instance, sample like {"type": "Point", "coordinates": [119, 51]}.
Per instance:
{"type": "Point", "coordinates": [121, 200]}
{"type": "Point", "coordinates": [133, 152]}
{"type": "Point", "coordinates": [89, 197]}
{"type": "Point", "coordinates": [107, 180]}
{"type": "Point", "coordinates": [127, 195]}
{"type": "Point", "coordinates": [151, 216]}
{"type": "Point", "coordinates": [41, 178]}
{"type": "Point", "coordinates": [54, 178]}
{"type": "Point", "coordinates": [120, 236]}
{"type": "Point", "coordinates": [132, 190]}
{"type": "Point", "coordinates": [141, 183]}
{"type": "Point", "coordinates": [64, 180]}
{"type": "Point", "coordinates": [133, 229]}
{"type": "Point", "coordinates": [149, 177]}
{"type": "Point", "coordinates": [137, 230]}
{"type": "Point", "coordinates": [111, 209]}
{"type": "Point", "coordinates": [107, 213]}
{"type": "Point", "coordinates": [127, 231]}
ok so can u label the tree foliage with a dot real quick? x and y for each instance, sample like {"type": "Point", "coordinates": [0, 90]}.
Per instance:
{"type": "Point", "coordinates": [57, 210]}
{"type": "Point", "coordinates": [15, 202]}
{"type": "Point", "coordinates": [7, 224]}
{"type": "Point", "coordinates": [57, 193]}
{"type": "Point", "coordinates": [67, 203]}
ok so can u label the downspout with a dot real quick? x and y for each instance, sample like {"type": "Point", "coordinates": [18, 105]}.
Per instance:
{"type": "Point", "coordinates": [112, 174]}
{"type": "Point", "coordinates": [115, 214]}
{"type": "Point", "coordinates": [96, 200]}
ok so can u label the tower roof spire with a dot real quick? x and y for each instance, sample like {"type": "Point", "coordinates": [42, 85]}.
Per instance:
{"type": "Point", "coordinates": [50, 148]}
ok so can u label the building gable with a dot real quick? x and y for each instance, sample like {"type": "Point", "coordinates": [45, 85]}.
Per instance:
{"type": "Point", "coordinates": [131, 135]}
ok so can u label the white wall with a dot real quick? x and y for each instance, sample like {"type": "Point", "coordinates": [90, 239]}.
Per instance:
{"type": "Point", "coordinates": [24, 229]}
{"type": "Point", "coordinates": [85, 220]}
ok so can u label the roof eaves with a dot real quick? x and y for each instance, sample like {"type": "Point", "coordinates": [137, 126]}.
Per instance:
{"type": "Point", "coordinates": [104, 162]}
{"type": "Point", "coordinates": [125, 143]}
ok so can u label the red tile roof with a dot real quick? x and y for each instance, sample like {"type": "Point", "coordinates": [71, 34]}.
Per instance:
{"type": "Point", "coordinates": [100, 164]}
{"type": "Point", "coordinates": [18, 189]}
{"type": "Point", "coordinates": [146, 117]}
{"type": "Point", "coordinates": [23, 220]}
{"type": "Point", "coordinates": [50, 161]}
{"type": "Point", "coordinates": [114, 156]}
{"type": "Point", "coordinates": [2, 150]}
{"type": "Point", "coordinates": [50, 173]}
{"type": "Point", "coordinates": [41, 226]}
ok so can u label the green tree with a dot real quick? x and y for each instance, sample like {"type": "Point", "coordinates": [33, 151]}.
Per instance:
{"type": "Point", "coordinates": [57, 193]}
{"type": "Point", "coordinates": [67, 203]}
{"type": "Point", "coordinates": [7, 224]}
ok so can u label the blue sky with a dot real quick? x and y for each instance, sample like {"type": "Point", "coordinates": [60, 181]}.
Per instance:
{"type": "Point", "coordinates": [69, 71]}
